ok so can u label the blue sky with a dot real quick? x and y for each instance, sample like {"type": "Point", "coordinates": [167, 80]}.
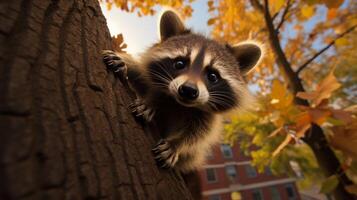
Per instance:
{"type": "Point", "coordinates": [140, 32]}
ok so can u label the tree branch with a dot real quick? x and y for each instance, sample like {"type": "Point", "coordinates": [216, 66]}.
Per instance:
{"type": "Point", "coordinates": [283, 63]}
{"type": "Point", "coordinates": [275, 15]}
{"type": "Point", "coordinates": [303, 66]}
{"type": "Point", "coordinates": [282, 19]}
{"type": "Point", "coordinates": [257, 5]}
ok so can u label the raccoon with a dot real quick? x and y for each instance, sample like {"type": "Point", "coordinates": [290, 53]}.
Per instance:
{"type": "Point", "coordinates": [184, 84]}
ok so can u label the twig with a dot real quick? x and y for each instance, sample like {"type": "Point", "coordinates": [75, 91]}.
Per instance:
{"type": "Point", "coordinates": [282, 19]}
{"type": "Point", "coordinates": [303, 66]}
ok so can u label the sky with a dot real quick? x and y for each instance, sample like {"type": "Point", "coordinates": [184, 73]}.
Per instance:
{"type": "Point", "coordinates": [141, 32]}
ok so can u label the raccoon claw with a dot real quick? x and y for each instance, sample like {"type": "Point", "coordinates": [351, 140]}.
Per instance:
{"type": "Point", "coordinates": [114, 62]}
{"type": "Point", "coordinates": [139, 109]}
{"type": "Point", "coordinates": [165, 156]}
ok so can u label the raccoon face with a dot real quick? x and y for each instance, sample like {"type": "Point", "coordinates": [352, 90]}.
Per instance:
{"type": "Point", "coordinates": [197, 71]}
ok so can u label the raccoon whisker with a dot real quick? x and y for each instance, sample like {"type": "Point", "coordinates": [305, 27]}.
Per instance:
{"type": "Point", "coordinates": [221, 101]}
{"type": "Point", "coordinates": [160, 76]}
{"type": "Point", "coordinates": [161, 85]}
{"type": "Point", "coordinates": [163, 69]}
{"type": "Point", "coordinates": [221, 95]}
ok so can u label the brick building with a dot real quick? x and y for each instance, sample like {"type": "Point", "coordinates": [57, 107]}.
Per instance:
{"type": "Point", "coordinates": [229, 175]}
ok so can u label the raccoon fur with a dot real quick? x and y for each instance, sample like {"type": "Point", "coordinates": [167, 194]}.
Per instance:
{"type": "Point", "coordinates": [184, 84]}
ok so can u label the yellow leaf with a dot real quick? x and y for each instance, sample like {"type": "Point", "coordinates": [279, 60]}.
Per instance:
{"type": "Point", "coordinates": [341, 42]}
{"type": "Point", "coordinates": [277, 4]}
{"type": "Point", "coordinates": [211, 21]}
{"type": "Point", "coordinates": [282, 145]}
{"type": "Point", "coordinates": [308, 11]}
{"type": "Point", "coordinates": [329, 184]}
{"type": "Point", "coordinates": [278, 90]}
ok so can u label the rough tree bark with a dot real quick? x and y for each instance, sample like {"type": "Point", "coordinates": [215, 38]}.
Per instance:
{"type": "Point", "coordinates": [65, 130]}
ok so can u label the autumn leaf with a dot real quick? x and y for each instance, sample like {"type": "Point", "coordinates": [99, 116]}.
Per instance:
{"type": "Point", "coordinates": [118, 43]}
{"type": "Point", "coordinates": [329, 184]}
{"type": "Point", "coordinates": [302, 130]}
{"type": "Point", "coordinates": [345, 139]}
{"type": "Point", "coordinates": [331, 13]}
{"type": "Point", "coordinates": [211, 21]}
{"type": "Point", "coordinates": [333, 3]}
{"type": "Point", "coordinates": [323, 90]}
{"type": "Point", "coordinates": [280, 97]}
{"type": "Point", "coordinates": [341, 42]}
{"type": "Point", "coordinates": [277, 4]}
{"type": "Point", "coordinates": [308, 11]}
{"type": "Point", "coordinates": [352, 189]}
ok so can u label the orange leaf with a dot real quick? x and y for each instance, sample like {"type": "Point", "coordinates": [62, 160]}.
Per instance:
{"type": "Point", "coordinates": [326, 87]}
{"type": "Point", "coordinates": [333, 3]}
{"type": "Point", "coordinates": [303, 119]}
{"type": "Point", "coordinates": [307, 95]}
{"type": "Point", "coordinates": [211, 21]}
{"type": "Point", "coordinates": [345, 139]}
{"type": "Point", "coordinates": [323, 90]}
{"type": "Point", "coordinates": [342, 115]}
{"type": "Point", "coordinates": [352, 189]}
{"type": "Point", "coordinates": [302, 130]}
{"type": "Point", "coordinates": [319, 116]}
{"type": "Point", "coordinates": [331, 13]}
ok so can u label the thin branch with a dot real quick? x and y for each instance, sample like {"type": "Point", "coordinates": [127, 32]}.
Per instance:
{"type": "Point", "coordinates": [303, 66]}
{"type": "Point", "coordinates": [282, 19]}
{"type": "Point", "coordinates": [275, 15]}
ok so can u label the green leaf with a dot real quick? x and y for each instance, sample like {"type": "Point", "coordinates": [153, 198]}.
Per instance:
{"type": "Point", "coordinates": [329, 184]}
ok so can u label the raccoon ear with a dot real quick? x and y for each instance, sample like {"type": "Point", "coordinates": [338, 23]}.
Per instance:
{"type": "Point", "coordinates": [248, 54]}
{"type": "Point", "coordinates": [170, 25]}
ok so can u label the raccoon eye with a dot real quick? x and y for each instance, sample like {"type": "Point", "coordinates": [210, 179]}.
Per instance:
{"type": "Point", "coordinates": [212, 77]}
{"type": "Point", "coordinates": [179, 64]}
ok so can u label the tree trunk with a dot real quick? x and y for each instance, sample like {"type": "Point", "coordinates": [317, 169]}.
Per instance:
{"type": "Point", "coordinates": [65, 130]}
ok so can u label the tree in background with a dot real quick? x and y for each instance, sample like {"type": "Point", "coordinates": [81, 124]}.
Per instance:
{"type": "Point", "coordinates": [305, 86]}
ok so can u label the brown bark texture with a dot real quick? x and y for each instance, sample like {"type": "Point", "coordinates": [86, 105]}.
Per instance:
{"type": "Point", "coordinates": [65, 130]}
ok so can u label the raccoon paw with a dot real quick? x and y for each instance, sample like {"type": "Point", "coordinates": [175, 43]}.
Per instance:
{"type": "Point", "coordinates": [114, 63]}
{"type": "Point", "coordinates": [140, 109]}
{"type": "Point", "coordinates": [165, 154]}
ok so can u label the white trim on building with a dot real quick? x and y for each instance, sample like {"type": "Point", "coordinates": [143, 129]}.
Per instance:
{"type": "Point", "coordinates": [226, 164]}
{"type": "Point", "coordinates": [239, 187]}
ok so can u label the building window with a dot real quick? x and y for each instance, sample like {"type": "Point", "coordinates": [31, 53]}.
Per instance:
{"type": "Point", "coordinates": [231, 171]}
{"type": "Point", "coordinates": [275, 195]}
{"type": "Point", "coordinates": [250, 170]}
{"type": "Point", "coordinates": [214, 197]}
{"type": "Point", "coordinates": [211, 175]}
{"type": "Point", "coordinates": [227, 151]}
{"type": "Point", "coordinates": [257, 195]}
{"type": "Point", "coordinates": [290, 192]}
{"type": "Point", "coordinates": [268, 171]}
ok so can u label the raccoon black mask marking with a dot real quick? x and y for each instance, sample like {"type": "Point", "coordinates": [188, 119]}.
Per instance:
{"type": "Point", "coordinates": [184, 83]}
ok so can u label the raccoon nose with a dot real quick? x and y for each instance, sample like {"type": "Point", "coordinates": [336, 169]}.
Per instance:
{"type": "Point", "coordinates": [188, 91]}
